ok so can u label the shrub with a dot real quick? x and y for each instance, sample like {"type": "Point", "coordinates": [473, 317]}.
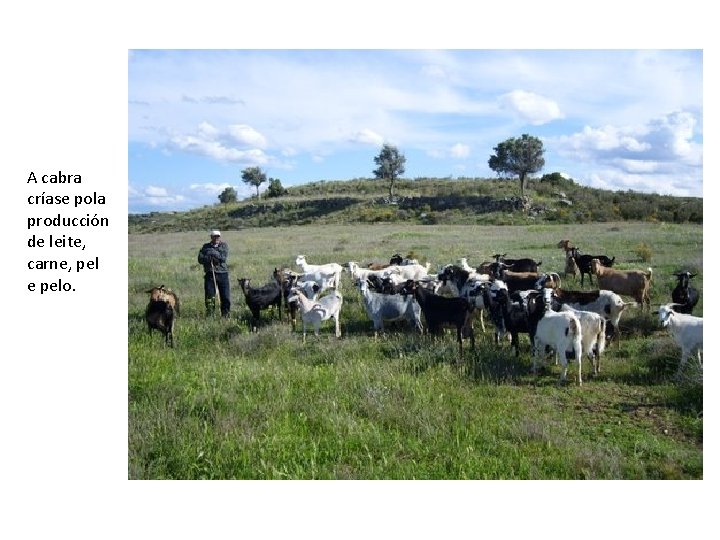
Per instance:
{"type": "Point", "coordinates": [644, 252]}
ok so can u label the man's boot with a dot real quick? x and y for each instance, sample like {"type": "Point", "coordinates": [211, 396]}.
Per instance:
{"type": "Point", "coordinates": [210, 307]}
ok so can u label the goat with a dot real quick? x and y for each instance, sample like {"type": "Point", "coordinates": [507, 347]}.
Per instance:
{"type": "Point", "coordinates": [459, 281]}
{"type": "Point", "coordinates": [395, 259]}
{"type": "Point", "coordinates": [566, 245]}
{"type": "Point", "coordinates": [165, 295]}
{"type": "Point", "coordinates": [511, 313]}
{"type": "Point", "coordinates": [389, 307]}
{"type": "Point", "coordinates": [358, 273]}
{"type": "Point", "coordinates": [571, 268]}
{"type": "Point", "coordinates": [684, 296]}
{"type": "Point", "coordinates": [321, 273]}
{"type": "Point", "coordinates": [686, 330]}
{"type": "Point", "coordinates": [593, 334]}
{"type": "Point", "coordinates": [518, 265]}
{"type": "Point", "coordinates": [584, 263]}
{"type": "Point", "coordinates": [161, 316]}
{"type": "Point", "coordinates": [635, 283]}
{"type": "Point", "coordinates": [440, 311]}
{"type": "Point", "coordinates": [522, 281]}
{"type": "Point", "coordinates": [287, 279]}
{"type": "Point", "coordinates": [402, 261]}
{"type": "Point", "coordinates": [414, 272]}
{"type": "Point", "coordinates": [607, 304]}
{"type": "Point", "coordinates": [259, 298]}
{"type": "Point", "coordinates": [315, 312]}
{"type": "Point", "coordinates": [561, 331]}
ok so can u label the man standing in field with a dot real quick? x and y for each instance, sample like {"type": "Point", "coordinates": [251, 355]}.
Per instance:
{"type": "Point", "coordinates": [213, 256]}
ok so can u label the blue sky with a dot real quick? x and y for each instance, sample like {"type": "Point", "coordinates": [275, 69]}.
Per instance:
{"type": "Point", "coordinates": [611, 119]}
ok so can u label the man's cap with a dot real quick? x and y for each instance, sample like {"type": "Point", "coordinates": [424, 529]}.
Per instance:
{"type": "Point", "coordinates": [215, 233]}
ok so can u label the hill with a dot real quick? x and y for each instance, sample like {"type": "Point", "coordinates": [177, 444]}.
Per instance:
{"type": "Point", "coordinates": [552, 199]}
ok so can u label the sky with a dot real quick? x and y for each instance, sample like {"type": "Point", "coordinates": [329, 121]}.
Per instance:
{"type": "Point", "coordinates": [609, 119]}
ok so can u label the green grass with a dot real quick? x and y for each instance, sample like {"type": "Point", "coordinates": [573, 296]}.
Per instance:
{"type": "Point", "coordinates": [226, 403]}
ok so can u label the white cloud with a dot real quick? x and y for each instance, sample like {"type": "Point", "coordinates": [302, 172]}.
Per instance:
{"type": "Point", "coordinates": [207, 131]}
{"type": "Point", "coordinates": [219, 151]}
{"type": "Point", "coordinates": [460, 150]}
{"type": "Point", "coordinates": [153, 197]}
{"type": "Point", "coordinates": [433, 70]}
{"type": "Point", "coordinates": [367, 136]}
{"type": "Point", "coordinates": [153, 191]}
{"type": "Point", "coordinates": [247, 135]}
{"type": "Point", "coordinates": [531, 107]}
{"type": "Point", "coordinates": [210, 188]}
{"type": "Point", "coordinates": [678, 185]}
{"type": "Point", "coordinates": [664, 143]}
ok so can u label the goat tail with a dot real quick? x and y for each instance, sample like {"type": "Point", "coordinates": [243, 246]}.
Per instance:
{"type": "Point", "coordinates": [649, 273]}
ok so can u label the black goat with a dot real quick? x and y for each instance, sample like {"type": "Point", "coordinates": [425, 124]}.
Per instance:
{"type": "Point", "coordinates": [684, 296]}
{"type": "Point", "coordinates": [160, 315]}
{"type": "Point", "coordinates": [583, 263]}
{"type": "Point", "coordinates": [386, 286]}
{"type": "Point", "coordinates": [259, 298]}
{"type": "Point", "coordinates": [518, 265]}
{"type": "Point", "coordinates": [441, 311]}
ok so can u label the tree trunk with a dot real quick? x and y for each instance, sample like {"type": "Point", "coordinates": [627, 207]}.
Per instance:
{"type": "Point", "coordinates": [392, 192]}
{"type": "Point", "coordinates": [257, 190]}
{"type": "Point", "coordinates": [522, 185]}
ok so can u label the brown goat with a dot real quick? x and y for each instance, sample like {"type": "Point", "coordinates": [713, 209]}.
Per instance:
{"type": "Point", "coordinates": [571, 267]}
{"type": "Point", "coordinates": [635, 283]}
{"type": "Point", "coordinates": [160, 312]}
{"type": "Point", "coordinates": [161, 294]}
{"type": "Point", "coordinates": [566, 245]}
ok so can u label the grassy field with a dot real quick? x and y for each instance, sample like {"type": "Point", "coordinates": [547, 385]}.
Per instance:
{"type": "Point", "coordinates": [229, 404]}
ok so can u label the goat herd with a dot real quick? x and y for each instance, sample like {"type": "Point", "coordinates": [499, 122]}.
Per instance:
{"type": "Point", "coordinates": [516, 297]}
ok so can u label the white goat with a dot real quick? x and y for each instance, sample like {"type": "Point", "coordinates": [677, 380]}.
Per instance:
{"type": "Point", "coordinates": [416, 272]}
{"type": "Point", "coordinates": [593, 334]}
{"type": "Point", "coordinates": [357, 272]}
{"type": "Point", "coordinates": [686, 330]}
{"type": "Point", "coordinates": [561, 331]}
{"type": "Point", "coordinates": [607, 304]}
{"type": "Point", "coordinates": [320, 272]}
{"type": "Point", "coordinates": [314, 312]}
{"type": "Point", "coordinates": [389, 307]}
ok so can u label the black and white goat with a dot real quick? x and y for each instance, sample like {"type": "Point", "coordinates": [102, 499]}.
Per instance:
{"type": "Point", "coordinates": [561, 331]}
{"type": "Point", "coordinates": [512, 313]}
{"type": "Point", "coordinates": [605, 303]}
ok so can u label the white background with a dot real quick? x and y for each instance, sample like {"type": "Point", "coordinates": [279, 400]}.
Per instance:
{"type": "Point", "coordinates": [63, 447]}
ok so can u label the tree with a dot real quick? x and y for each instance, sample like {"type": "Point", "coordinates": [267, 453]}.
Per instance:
{"type": "Point", "coordinates": [391, 164]}
{"type": "Point", "coordinates": [254, 176]}
{"type": "Point", "coordinates": [275, 189]}
{"type": "Point", "coordinates": [228, 195]}
{"type": "Point", "coordinates": [519, 157]}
